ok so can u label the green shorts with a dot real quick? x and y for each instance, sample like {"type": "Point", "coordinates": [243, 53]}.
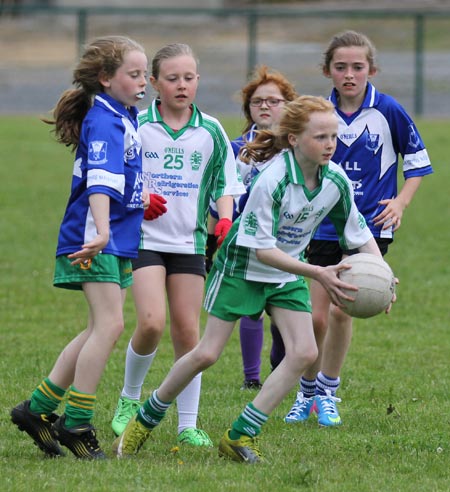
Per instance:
{"type": "Point", "coordinates": [102, 268]}
{"type": "Point", "coordinates": [230, 298]}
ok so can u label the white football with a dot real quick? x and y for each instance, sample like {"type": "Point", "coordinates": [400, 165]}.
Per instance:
{"type": "Point", "coordinates": [375, 282]}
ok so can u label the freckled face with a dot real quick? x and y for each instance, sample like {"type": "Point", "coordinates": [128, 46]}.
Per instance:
{"type": "Point", "coordinates": [317, 143]}
{"type": "Point", "coordinates": [128, 83]}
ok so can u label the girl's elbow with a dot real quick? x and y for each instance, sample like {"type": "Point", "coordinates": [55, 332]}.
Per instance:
{"type": "Point", "coordinates": [260, 255]}
{"type": "Point", "coordinates": [266, 256]}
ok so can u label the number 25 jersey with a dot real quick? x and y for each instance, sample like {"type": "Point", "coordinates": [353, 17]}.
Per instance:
{"type": "Point", "coordinates": [187, 167]}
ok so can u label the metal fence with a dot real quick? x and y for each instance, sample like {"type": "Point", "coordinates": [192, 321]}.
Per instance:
{"type": "Point", "coordinates": [40, 44]}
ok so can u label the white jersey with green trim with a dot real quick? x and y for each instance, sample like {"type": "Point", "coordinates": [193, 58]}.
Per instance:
{"type": "Point", "coordinates": [187, 167]}
{"type": "Point", "coordinates": [281, 212]}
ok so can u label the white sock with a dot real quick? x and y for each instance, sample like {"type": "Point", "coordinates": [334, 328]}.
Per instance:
{"type": "Point", "coordinates": [136, 368]}
{"type": "Point", "coordinates": [187, 404]}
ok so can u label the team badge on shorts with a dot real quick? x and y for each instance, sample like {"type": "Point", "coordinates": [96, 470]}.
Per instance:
{"type": "Point", "coordinates": [86, 264]}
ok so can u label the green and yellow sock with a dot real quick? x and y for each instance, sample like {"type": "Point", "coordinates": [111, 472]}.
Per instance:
{"type": "Point", "coordinates": [46, 397]}
{"type": "Point", "coordinates": [79, 408]}
{"type": "Point", "coordinates": [248, 423]}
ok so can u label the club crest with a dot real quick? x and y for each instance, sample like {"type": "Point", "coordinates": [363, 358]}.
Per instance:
{"type": "Point", "coordinates": [97, 152]}
{"type": "Point", "coordinates": [372, 141]}
{"type": "Point", "coordinates": [414, 140]}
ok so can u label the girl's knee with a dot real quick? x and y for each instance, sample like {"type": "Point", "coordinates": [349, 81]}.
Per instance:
{"type": "Point", "coordinates": [302, 358]}
{"type": "Point", "coordinates": [339, 316]}
{"type": "Point", "coordinates": [204, 358]}
{"type": "Point", "coordinates": [116, 330]}
{"type": "Point", "coordinates": [185, 341]}
{"type": "Point", "coordinates": [311, 356]}
{"type": "Point", "coordinates": [320, 323]}
{"type": "Point", "coordinates": [150, 328]}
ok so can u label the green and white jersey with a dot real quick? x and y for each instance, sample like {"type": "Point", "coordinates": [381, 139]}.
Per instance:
{"type": "Point", "coordinates": [187, 167]}
{"type": "Point", "coordinates": [281, 212]}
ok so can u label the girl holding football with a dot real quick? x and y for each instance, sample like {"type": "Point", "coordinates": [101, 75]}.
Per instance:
{"type": "Point", "coordinates": [262, 259]}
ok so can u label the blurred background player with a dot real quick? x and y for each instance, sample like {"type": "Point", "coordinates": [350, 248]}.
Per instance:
{"type": "Point", "coordinates": [374, 130]}
{"type": "Point", "coordinates": [263, 100]}
{"type": "Point", "coordinates": [187, 160]}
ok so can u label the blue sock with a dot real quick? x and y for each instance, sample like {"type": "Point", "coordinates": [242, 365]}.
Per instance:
{"type": "Point", "coordinates": [308, 387]}
{"type": "Point", "coordinates": [324, 382]}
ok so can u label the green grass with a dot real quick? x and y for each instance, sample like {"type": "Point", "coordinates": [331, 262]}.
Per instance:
{"type": "Point", "coordinates": [395, 385]}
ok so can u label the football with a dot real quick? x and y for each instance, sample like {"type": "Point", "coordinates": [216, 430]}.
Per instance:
{"type": "Point", "coordinates": [375, 282]}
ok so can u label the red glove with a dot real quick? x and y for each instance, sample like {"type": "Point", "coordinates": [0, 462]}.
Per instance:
{"type": "Point", "coordinates": [221, 230]}
{"type": "Point", "coordinates": [156, 207]}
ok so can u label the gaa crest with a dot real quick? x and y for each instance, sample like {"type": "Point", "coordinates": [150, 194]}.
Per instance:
{"type": "Point", "coordinates": [250, 224]}
{"type": "Point", "coordinates": [372, 141]}
{"type": "Point", "coordinates": [196, 160]}
{"type": "Point", "coordinates": [414, 140]}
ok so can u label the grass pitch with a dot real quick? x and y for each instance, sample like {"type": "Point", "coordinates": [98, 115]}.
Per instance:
{"type": "Point", "coordinates": [395, 385]}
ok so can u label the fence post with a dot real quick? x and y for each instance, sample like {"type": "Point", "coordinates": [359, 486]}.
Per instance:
{"type": "Point", "coordinates": [81, 30]}
{"type": "Point", "coordinates": [419, 50]}
{"type": "Point", "coordinates": [252, 27]}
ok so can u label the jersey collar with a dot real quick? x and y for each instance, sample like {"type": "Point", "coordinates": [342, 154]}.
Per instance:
{"type": "Point", "coordinates": [115, 106]}
{"type": "Point", "coordinates": [294, 171]}
{"type": "Point", "coordinates": [251, 134]}
{"type": "Point", "coordinates": [370, 99]}
{"type": "Point", "coordinates": [152, 115]}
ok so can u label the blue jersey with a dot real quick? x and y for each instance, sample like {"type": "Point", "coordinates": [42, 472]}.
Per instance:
{"type": "Point", "coordinates": [369, 144]}
{"type": "Point", "coordinates": [108, 161]}
{"type": "Point", "coordinates": [247, 171]}
{"type": "Point", "coordinates": [239, 142]}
